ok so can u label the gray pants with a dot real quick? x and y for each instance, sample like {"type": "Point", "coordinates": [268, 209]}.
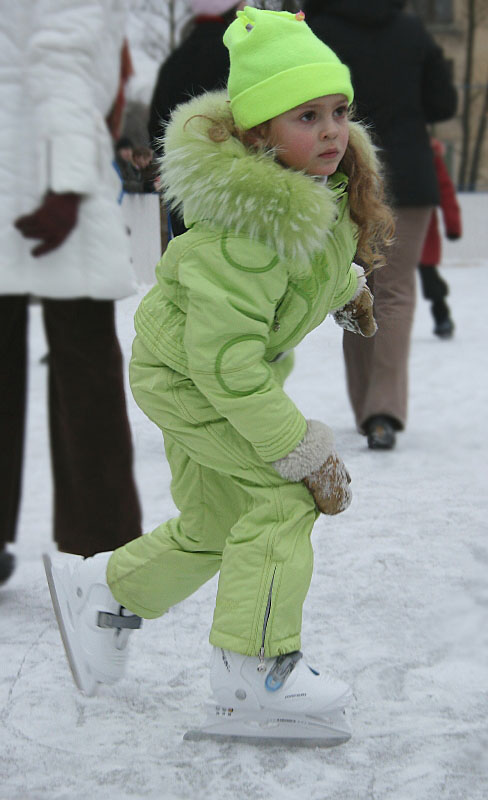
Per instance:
{"type": "Point", "coordinates": [377, 368]}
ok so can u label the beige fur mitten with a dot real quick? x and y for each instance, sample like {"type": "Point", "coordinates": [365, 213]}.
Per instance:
{"type": "Point", "coordinates": [315, 462]}
{"type": "Point", "coordinates": [330, 486]}
{"type": "Point", "coordinates": [357, 315]}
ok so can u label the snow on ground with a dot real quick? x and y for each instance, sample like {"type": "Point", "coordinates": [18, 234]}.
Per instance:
{"type": "Point", "coordinates": [397, 607]}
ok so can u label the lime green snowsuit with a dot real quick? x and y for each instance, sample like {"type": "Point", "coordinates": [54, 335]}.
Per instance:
{"type": "Point", "coordinates": [267, 256]}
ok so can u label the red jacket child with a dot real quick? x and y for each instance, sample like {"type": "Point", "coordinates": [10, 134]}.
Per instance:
{"type": "Point", "coordinates": [451, 213]}
{"type": "Point", "coordinates": [434, 287]}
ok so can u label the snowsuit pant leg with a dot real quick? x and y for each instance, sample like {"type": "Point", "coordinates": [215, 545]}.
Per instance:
{"type": "Point", "coordinates": [13, 357]}
{"type": "Point", "coordinates": [377, 368]}
{"type": "Point", "coordinates": [96, 505]}
{"type": "Point", "coordinates": [237, 516]}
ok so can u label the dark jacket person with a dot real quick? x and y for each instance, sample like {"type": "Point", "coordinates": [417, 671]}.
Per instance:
{"type": "Point", "coordinates": [402, 83]}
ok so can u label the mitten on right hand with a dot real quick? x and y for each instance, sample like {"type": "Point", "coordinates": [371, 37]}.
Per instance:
{"type": "Point", "coordinates": [357, 315]}
{"type": "Point", "coordinates": [315, 462]}
{"type": "Point", "coordinates": [329, 485]}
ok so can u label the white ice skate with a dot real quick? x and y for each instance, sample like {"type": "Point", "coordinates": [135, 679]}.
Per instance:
{"type": "Point", "coordinates": [93, 626]}
{"type": "Point", "coordinates": [275, 700]}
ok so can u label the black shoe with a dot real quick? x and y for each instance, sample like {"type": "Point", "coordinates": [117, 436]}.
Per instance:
{"type": "Point", "coordinates": [7, 565]}
{"type": "Point", "coordinates": [444, 329]}
{"type": "Point", "coordinates": [380, 431]}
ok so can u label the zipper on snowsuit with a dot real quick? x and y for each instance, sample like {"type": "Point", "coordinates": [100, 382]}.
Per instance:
{"type": "Point", "coordinates": [262, 666]}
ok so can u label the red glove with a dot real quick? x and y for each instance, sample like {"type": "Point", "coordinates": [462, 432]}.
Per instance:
{"type": "Point", "coordinates": [52, 222]}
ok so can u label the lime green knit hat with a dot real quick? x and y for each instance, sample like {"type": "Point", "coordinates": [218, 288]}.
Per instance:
{"type": "Point", "coordinates": [277, 63]}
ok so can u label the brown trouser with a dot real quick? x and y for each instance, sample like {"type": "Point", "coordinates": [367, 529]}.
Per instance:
{"type": "Point", "coordinates": [377, 368]}
{"type": "Point", "coordinates": [96, 506]}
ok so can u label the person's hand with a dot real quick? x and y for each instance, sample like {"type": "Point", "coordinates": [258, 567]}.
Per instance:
{"type": "Point", "coordinates": [329, 486]}
{"type": "Point", "coordinates": [315, 462]}
{"type": "Point", "coordinates": [357, 315]}
{"type": "Point", "coordinates": [52, 222]}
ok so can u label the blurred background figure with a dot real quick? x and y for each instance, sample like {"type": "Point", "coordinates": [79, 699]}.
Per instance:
{"type": "Point", "coordinates": [136, 167]}
{"type": "Point", "coordinates": [434, 287]}
{"type": "Point", "coordinates": [129, 175]}
{"type": "Point", "coordinates": [142, 157]}
{"type": "Point", "coordinates": [200, 63]}
{"type": "Point", "coordinates": [62, 240]}
{"type": "Point", "coordinates": [143, 161]}
{"type": "Point", "coordinates": [402, 82]}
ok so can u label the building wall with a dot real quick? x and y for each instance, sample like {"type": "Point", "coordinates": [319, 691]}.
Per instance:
{"type": "Point", "coordinates": [472, 248]}
{"type": "Point", "coordinates": [452, 36]}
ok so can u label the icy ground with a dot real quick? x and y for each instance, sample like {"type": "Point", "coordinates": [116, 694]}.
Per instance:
{"type": "Point", "coordinates": [398, 607]}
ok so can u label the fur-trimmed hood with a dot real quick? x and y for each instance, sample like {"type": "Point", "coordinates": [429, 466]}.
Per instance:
{"type": "Point", "coordinates": [236, 189]}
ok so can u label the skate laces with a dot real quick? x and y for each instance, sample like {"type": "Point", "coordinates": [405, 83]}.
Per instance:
{"type": "Point", "coordinates": [281, 669]}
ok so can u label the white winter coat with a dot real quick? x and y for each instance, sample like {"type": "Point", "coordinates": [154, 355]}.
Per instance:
{"type": "Point", "coordinates": [59, 74]}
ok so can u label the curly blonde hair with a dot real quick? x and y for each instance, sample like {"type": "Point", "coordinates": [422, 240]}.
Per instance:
{"type": "Point", "coordinates": [368, 206]}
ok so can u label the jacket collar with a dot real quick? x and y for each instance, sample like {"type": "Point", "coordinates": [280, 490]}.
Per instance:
{"type": "Point", "coordinates": [249, 193]}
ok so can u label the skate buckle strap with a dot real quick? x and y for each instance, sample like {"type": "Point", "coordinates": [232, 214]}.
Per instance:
{"type": "Point", "coordinates": [108, 620]}
{"type": "Point", "coordinates": [281, 669]}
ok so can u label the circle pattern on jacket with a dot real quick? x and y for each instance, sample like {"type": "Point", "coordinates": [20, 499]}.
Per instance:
{"type": "Point", "coordinates": [233, 253]}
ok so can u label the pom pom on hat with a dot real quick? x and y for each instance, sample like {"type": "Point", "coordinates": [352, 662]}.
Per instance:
{"type": "Point", "coordinates": [212, 7]}
{"type": "Point", "coordinates": [277, 63]}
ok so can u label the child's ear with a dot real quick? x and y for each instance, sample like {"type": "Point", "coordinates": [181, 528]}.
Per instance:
{"type": "Point", "coordinates": [257, 136]}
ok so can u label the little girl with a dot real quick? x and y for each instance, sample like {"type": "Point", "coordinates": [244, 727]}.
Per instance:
{"type": "Point", "coordinates": [280, 193]}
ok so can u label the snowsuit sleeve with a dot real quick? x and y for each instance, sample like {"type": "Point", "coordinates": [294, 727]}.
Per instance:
{"type": "Point", "coordinates": [345, 289]}
{"type": "Point", "coordinates": [229, 315]}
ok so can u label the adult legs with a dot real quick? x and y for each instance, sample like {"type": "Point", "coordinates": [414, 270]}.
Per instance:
{"type": "Point", "coordinates": [377, 368]}
{"type": "Point", "coordinates": [96, 506]}
{"type": "Point", "coordinates": [13, 357]}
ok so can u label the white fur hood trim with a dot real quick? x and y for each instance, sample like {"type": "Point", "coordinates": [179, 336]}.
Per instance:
{"type": "Point", "coordinates": [243, 191]}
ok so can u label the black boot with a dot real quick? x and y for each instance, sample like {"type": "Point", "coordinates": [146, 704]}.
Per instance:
{"type": "Point", "coordinates": [7, 565]}
{"type": "Point", "coordinates": [444, 326]}
{"type": "Point", "coordinates": [435, 289]}
{"type": "Point", "coordinates": [433, 286]}
{"type": "Point", "coordinates": [380, 431]}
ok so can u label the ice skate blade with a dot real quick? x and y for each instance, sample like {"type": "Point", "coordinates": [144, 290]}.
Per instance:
{"type": "Point", "coordinates": [227, 725]}
{"type": "Point", "coordinates": [83, 680]}
{"type": "Point", "coordinates": [264, 741]}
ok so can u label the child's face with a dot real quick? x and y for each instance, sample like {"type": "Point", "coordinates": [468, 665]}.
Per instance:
{"type": "Point", "coordinates": [311, 137]}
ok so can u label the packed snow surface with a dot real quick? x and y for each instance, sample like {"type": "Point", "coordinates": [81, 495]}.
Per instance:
{"type": "Point", "coordinates": [397, 607]}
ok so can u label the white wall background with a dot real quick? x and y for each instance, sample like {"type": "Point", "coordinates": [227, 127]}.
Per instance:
{"type": "Point", "coordinates": [142, 218]}
{"type": "Point", "coordinates": [472, 248]}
